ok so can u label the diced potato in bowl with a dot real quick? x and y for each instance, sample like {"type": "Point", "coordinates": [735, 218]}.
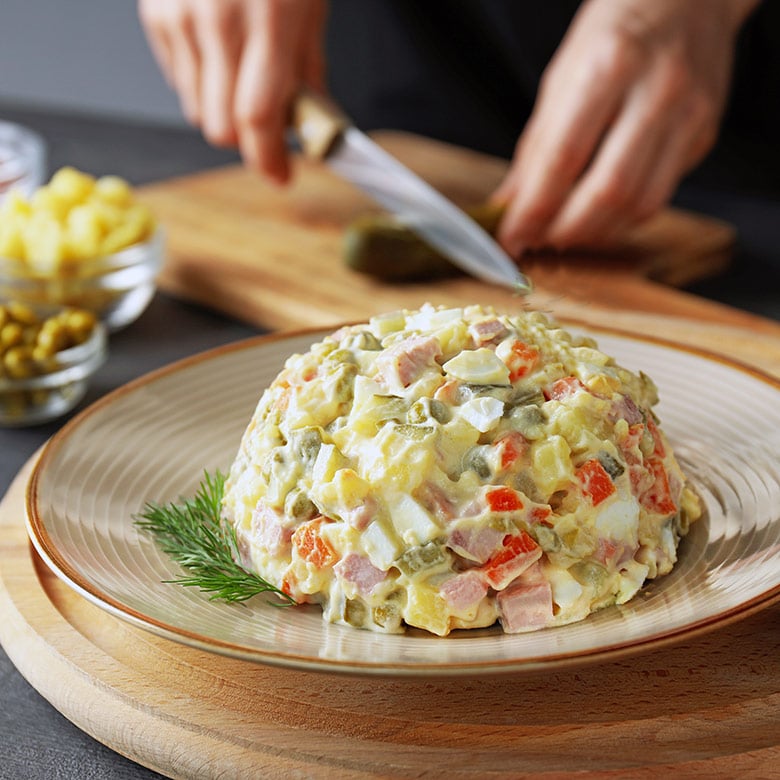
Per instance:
{"type": "Point", "coordinates": [80, 241]}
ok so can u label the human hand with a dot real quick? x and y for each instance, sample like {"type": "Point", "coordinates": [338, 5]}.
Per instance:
{"type": "Point", "coordinates": [237, 65]}
{"type": "Point", "coordinates": [630, 102]}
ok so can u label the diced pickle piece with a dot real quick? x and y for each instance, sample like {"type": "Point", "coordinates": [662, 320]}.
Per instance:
{"type": "Point", "coordinates": [528, 420]}
{"type": "Point", "coordinates": [343, 382]}
{"type": "Point", "coordinates": [610, 464]}
{"type": "Point", "coordinates": [389, 407]}
{"type": "Point", "coordinates": [340, 356]}
{"type": "Point", "coordinates": [415, 432]}
{"type": "Point", "coordinates": [306, 443]}
{"type": "Point", "coordinates": [363, 340]}
{"type": "Point", "coordinates": [476, 460]}
{"type": "Point", "coordinates": [427, 409]}
{"type": "Point", "coordinates": [523, 396]}
{"type": "Point", "coordinates": [299, 506]}
{"type": "Point", "coordinates": [417, 558]}
{"type": "Point", "coordinates": [546, 538]}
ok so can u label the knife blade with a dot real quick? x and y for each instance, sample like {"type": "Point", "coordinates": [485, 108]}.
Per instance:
{"type": "Point", "coordinates": [326, 134]}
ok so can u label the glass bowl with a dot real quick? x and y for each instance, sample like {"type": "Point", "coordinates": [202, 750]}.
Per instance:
{"type": "Point", "coordinates": [22, 159]}
{"type": "Point", "coordinates": [116, 288]}
{"type": "Point", "coordinates": [44, 397]}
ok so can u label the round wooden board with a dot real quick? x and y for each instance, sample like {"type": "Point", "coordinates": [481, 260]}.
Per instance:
{"type": "Point", "coordinates": [706, 707]}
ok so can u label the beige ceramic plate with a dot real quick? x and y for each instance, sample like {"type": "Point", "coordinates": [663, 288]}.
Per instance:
{"type": "Point", "coordinates": [153, 439]}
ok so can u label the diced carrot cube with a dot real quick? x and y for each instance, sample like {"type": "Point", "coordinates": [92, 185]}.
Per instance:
{"type": "Point", "coordinates": [521, 360]}
{"type": "Point", "coordinates": [517, 554]}
{"type": "Point", "coordinates": [540, 514]}
{"type": "Point", "coordinates": [563, 388]}
{"type": "Point", "coordinates": [659, 497]}
{"type": "Point", "coordinates": [596, 484]}
{"type": "Point", "coordinates": [504, 499]}
{"type": "Point", "coordinates": [311, 546]}
{"type": "Point", "coordinates": [512, 447]}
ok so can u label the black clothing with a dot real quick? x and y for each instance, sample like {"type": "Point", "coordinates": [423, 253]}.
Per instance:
{"type": "Point", "coordinates": [467, 71]}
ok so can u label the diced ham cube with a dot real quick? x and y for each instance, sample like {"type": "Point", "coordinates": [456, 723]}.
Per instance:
{"type": "Point", "coordinates": [270, 529]}
{"type": "Point", "coordinates": [476, 544]}
{"type": "Point", "coordinates": [464, 590]}
{"type": "Point", "coordinates": [358, 570]}
{"type": "Point", "coordinates": [625, 409]}
{"type": "Point", "coordinates": [487, 331]}
{"type": "Point", "coordinates": [360, 516]}
{"type": "Point", "coordinates": [435, 501]}
{"type": "Point", "coordinates": [526, 604]}
{"type": "Point", "coordinates": [404, 362]}
{"type": "Point", "coordinates": [613, 554]}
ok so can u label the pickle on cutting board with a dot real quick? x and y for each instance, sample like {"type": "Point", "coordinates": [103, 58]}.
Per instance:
{"type": "Point", "coordinates": [378, 245]}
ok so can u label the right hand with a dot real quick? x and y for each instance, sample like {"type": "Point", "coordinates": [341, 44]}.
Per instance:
{"type": "Point", "coordinates": [237, 66]}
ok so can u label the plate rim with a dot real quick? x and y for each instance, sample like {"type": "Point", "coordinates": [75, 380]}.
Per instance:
{"type": "Point", "coordinates": [47, 550]}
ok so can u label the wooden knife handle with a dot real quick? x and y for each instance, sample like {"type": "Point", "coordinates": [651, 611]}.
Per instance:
{"type": "Point", "coordinates": [318, 122]}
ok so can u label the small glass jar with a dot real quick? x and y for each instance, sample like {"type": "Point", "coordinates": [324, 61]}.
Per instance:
{"type": "Point", "coordinates": [116, 288]}
{"type": "Point", "coordinates": [52, 393]}
{"type": "Point", "coordinates": [22, 159]}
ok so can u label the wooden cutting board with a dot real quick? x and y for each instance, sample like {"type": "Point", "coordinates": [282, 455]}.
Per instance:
{"type": "Point", "coordinates": [273, 257]}
{"type": "Point", "coordinates": [708, 707]}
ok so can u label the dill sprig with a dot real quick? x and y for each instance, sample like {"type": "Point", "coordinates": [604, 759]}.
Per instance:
{"type": "Point", "coordinates": [192, 533]}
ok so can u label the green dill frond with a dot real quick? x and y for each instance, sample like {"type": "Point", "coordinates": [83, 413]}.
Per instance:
{"type": "Point", "coordinates": [192, 534]}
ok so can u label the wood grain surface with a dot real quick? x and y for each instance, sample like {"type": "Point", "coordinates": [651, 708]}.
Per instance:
{"type": "Point", "coordinates": [703, 708]}
{"type": "Point", "coordinates": [274, 256]}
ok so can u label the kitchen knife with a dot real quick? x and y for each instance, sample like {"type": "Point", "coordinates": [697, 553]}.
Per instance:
{"type": "Point", "coordinates": [326, 134]}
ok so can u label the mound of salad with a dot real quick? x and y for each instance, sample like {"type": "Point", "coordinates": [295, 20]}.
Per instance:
{"type": "Point", "coordinates": [447, 468]}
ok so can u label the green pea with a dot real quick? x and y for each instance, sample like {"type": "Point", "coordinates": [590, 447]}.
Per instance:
{"type": "Point", "coordinates": [355, 613]}
{"type": "Point", "coordinates": [11, 334]}
{"type": "Point", "coordinates": [528, 420]}
{"type": "Point", "coordinates": [588, 573]}
{"type": "Point", "coordinates": [19, 362]}
{"type": "Point", "coordinates": [22, 313]}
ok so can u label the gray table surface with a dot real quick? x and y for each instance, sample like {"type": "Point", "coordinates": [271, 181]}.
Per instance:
{"type": "Point", "coordinates": [36, 741]}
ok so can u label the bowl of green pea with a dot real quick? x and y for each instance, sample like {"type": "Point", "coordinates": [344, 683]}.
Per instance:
{"type": "Point", "coordinates": [47, 357]}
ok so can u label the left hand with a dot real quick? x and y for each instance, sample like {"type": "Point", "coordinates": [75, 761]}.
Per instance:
{"type": "Point", "coordinates": [631, 101]}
